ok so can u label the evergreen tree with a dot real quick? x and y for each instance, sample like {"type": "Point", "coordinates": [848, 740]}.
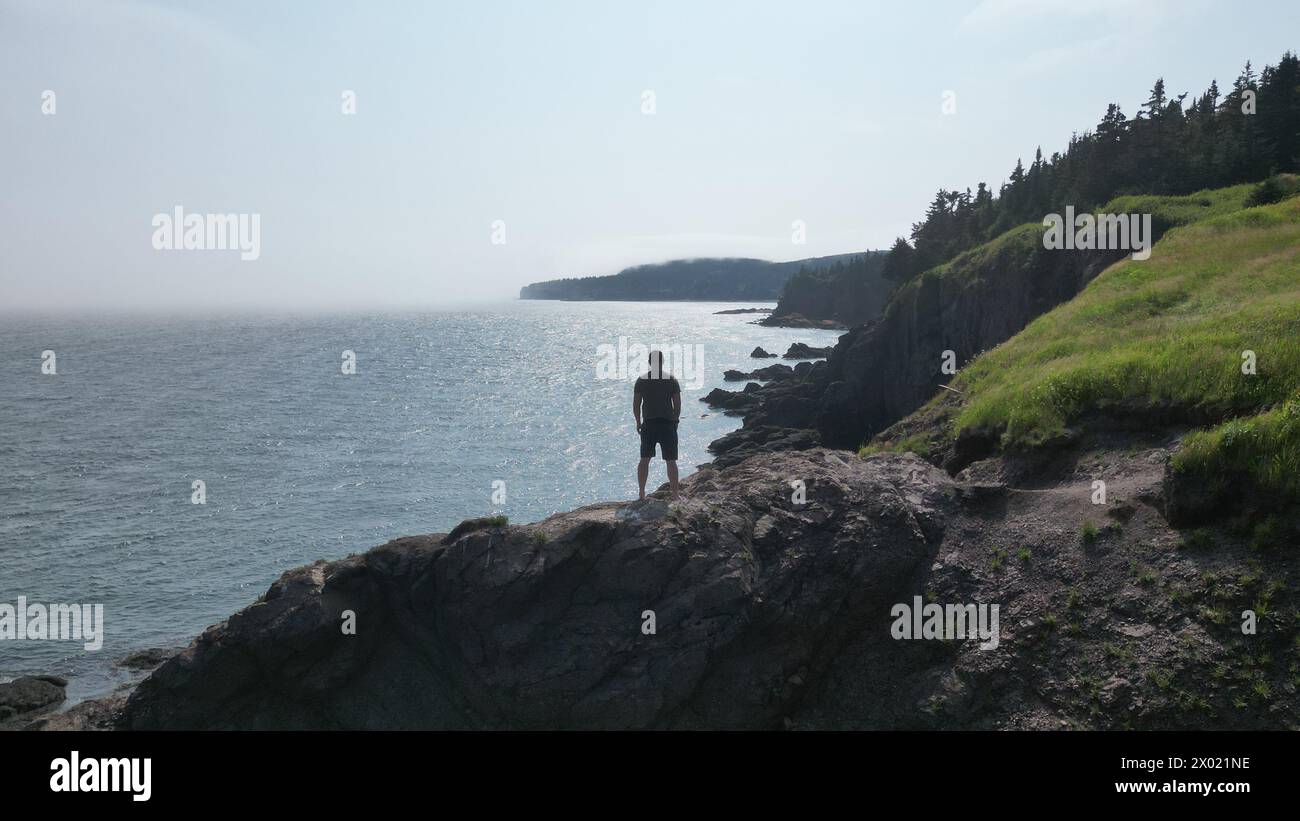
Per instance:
{"type": "Point", "coordinates": [900, 265]}
{"type": "Point", "coordinates": [1170, 147]}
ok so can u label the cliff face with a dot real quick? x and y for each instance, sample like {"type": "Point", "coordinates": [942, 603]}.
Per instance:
{"type": "Point", "coordinates": [544, 625]}
{"type": "Point", "coordinates": [881, 372]}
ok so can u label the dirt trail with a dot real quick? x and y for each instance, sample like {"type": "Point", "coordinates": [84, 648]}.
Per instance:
{"type": "Point", "coordinates": [1109, 618]}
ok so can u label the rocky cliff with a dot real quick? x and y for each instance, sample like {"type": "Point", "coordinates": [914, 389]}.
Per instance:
{"type": "Point", "coordinates": [882, 371]}
{"type": "Point", "coordinates": [548, 625]}
{"type": "Point", "coordinates": [740, 607]}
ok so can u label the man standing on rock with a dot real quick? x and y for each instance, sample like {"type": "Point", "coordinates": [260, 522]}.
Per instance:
{"type": "Point", "coordinates": [658, 398]}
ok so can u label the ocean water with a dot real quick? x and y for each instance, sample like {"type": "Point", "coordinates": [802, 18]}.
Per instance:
{"type": "Point", "coordinates": [301, 461]}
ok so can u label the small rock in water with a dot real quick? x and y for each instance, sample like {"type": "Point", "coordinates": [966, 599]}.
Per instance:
{"type": "Point", "coordinates": [22, 695]}
{"type": "Point", "coordinates": [146, 659]}
{"type": "Point", "coordinates": [800, 350]}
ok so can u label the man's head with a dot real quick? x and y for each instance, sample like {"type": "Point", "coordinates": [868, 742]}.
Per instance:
{"type": "Point", "coordinates": [656, 360]}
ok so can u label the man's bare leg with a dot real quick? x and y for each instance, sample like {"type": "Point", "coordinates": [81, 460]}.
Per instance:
{"type": "Point", "coordinates": [643, 473]}
{"type": "Point", "coordinates": [672, 477]}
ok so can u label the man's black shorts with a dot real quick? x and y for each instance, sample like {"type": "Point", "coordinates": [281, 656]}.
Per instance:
{"type": "Point", "coordinates": [664, 433]}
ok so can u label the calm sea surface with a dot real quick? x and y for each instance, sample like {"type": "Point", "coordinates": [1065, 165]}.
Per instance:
{"type": "Point", "coordinates": [301, 461]}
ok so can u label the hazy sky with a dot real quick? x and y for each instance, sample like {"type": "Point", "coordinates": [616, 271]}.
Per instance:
{"type": "Point", "coordinates": [531, 113]}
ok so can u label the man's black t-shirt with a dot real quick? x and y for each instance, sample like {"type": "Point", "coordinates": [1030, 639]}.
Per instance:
{"type": "Point", "coordinates": [657, 397]}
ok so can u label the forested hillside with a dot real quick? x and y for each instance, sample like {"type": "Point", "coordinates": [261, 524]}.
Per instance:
{"type": "Point", "coordinates": [683, 279]}
{"type": "Point", "coordinates": [847, 292]}
{"type": "Point", "coordinates": [1173, 145]}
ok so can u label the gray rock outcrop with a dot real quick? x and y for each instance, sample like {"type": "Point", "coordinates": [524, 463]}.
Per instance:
{"type": "Point", "coordinates": [546, 625]}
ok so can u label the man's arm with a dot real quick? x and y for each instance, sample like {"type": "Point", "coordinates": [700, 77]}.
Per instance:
{"type": "Point", "coordinates": [677, 407]}
{"type": "Point", "coordinates": [636, 409]}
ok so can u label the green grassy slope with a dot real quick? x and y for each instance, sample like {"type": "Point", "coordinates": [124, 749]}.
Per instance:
{"type": "Point", "coordinates": [1163, 339]}
{"type": "Point", "coordinates": [1019, 245]}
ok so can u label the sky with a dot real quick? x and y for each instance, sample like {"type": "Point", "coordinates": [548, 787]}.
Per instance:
{"type": "Point", "coordinates": [497, 144]}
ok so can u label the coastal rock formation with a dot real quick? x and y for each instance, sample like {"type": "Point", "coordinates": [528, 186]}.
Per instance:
{"type": "Point", "coordinates": [771, 372]}
{"type": "Point", "coordinates": [146, 659]}
{"type": "Point", "coordinates": [743, 443]}
{"type": "Point", "coordinates": [883, 370]}
{"type": "Point", "coordinates": [30, 694]}
{"type": "Point", "coordinates": [801, 350]}
{"type": "Point", "coordinates": [788, 400]}
{"type": "Point", "coordinates": [96, 714]}
{"type": "Point", "coordinates": [733, 402]}
{"type": "Point", "coordinates": [797, 320]}
{"type": "Point", "coordinates": [759, 353]}
{"type": "Point", "coordinates": [713, 611]}
{"type": "Point", "coordinates": [100, 714]}
{"type": "Point", "coordinates": [791, 399]}
{"type": "Point", "coordinates": [737, 607]}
